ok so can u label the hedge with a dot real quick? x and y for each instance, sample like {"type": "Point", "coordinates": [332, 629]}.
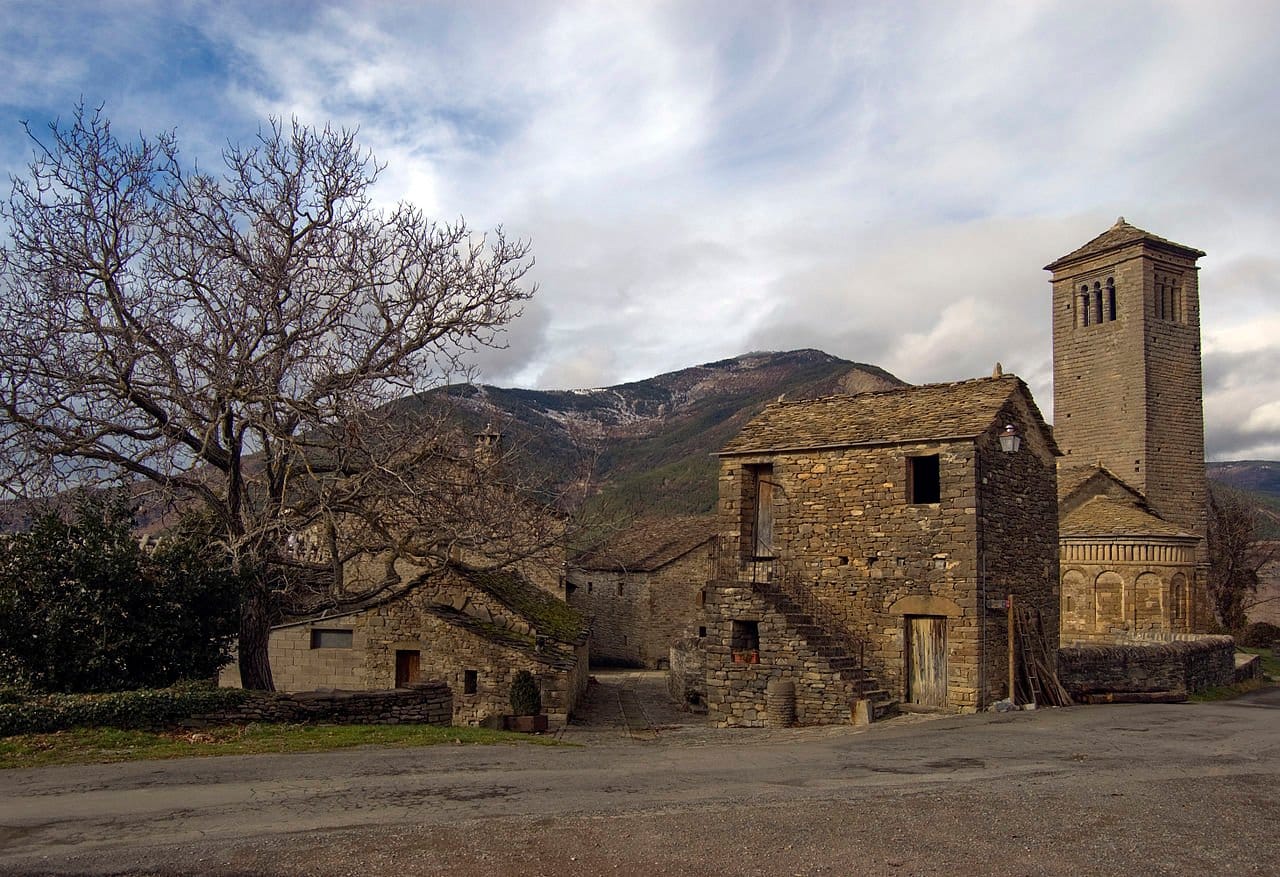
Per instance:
{"type": "Point", "coordinates": [144, 708]}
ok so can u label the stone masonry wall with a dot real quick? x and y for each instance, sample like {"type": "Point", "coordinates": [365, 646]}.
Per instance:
{"type": "Point", "coordinates": [636, 615]}
{"type": "Point", "coordinates": [1018, 546]}
{"type": "Point", "coordinates": [687, 673]}
{"type": "Point", "coordinates": [424, 703]}
{"type": "Point", "coordinates": [843, 522]}
{"type": "Point", "coordinates": [1128, 392]}
{"type": "Point", "coordinates": [446, 650]}
{"type": "Point", "coordinates": [1183, 667]}
{"type": "Point", "coordinates": [736, 692]}
{"type": "Point", "coordinates": [1122, 588]}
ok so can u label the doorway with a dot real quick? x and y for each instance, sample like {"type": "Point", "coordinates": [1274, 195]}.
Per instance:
{"type": "Point", "coordinates": [407, 667]}
{"type": "Point", "coordinates": [927, 660]}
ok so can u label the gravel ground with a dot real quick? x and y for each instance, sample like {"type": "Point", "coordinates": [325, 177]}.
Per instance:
{"type": "Point", "coordinates": [1157, 789]}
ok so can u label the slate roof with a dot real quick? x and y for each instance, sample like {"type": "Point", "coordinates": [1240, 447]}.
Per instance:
{"type": "Point", "coordinates": [1104, 516]}
{"type": "Point", "coordinates": [1071, 479]}
{"type": "Point", "coordinates": [1122, 234]}
{"type": "Point", "coordinates": [648, 544]}
{"type": "Point", "coordinates": [964, 409]}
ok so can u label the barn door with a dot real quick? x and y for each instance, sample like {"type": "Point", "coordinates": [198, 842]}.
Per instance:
{"type": "Point", "coordinates": [927, 660]}
{"type": "Point", "coordinates": [407, 663]}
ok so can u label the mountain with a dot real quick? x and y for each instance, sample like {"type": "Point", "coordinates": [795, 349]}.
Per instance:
{"type": "Point", "coordinates": [654, 438]}
{"type": "Point", "coordinates": [1259, 482]}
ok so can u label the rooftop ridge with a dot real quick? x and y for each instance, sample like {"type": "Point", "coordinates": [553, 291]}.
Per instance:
{"type": "Point", "coordinates": [1121, 234]}
{"type": "Point", "coordinates": [895, 391]}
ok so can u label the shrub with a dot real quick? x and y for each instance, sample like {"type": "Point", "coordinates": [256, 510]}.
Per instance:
{"type": "Point", "coordinates": [83, 607]}
{"type": "Point", "coordinates": [1259, 635]}
{"type": "Point", "coordinates": [145, 708]}
{"type": "Point", "coordinates": [526, 699]}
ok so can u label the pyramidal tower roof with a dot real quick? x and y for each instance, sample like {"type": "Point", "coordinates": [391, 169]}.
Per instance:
{"type": "Point", "coordinates": [1122, 234]}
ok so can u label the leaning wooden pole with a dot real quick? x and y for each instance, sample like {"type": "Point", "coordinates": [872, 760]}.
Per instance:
{"type": "Point", "coordinates": [1013, 667]}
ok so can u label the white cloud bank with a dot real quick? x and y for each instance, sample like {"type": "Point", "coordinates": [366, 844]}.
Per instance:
{"type": "Point", "coordinates": [880, 180]}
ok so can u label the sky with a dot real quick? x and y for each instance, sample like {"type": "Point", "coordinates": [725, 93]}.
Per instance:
{"type": "Point", "coordinates": [883, 181]}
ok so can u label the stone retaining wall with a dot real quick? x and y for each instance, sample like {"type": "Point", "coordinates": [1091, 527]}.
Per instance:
{"type": "Point", "coordinates": [422, 703]}
{"type": "Point", "coordinates": [687, 674]}
{"type": "Point", "coordinates": [1184, 666]}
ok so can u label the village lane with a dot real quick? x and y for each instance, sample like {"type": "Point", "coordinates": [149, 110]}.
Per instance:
{"type": "Point", "coordinates": [1157, 789]}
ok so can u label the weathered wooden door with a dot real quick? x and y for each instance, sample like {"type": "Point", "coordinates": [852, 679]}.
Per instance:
{"type": "Point", "coordinates": [927, 660]}
{"type": "Point", "coordinates": [407, 664]}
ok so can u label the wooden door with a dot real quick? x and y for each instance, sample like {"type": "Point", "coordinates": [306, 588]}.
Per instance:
{"type": "Point", "coordinates": [927, 660]}
{"type": "Point", "coordinates": [407, 664]}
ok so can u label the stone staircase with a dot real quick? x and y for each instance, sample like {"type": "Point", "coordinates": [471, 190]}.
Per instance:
{"type": "Point", "coordinates": [841, 650]}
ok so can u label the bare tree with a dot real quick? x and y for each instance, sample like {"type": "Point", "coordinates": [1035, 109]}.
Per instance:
{"type": "Point", "coordinates": [236, 339]}
{"type": "Point", "coordinates": [1236, 557]}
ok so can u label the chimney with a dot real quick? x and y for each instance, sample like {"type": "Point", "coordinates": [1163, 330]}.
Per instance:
{"type": "Point", "coordinates": [488, 446]}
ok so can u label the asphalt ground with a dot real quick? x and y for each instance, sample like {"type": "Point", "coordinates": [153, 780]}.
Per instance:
{"type": "Point", "coordinates": [1123, 789]}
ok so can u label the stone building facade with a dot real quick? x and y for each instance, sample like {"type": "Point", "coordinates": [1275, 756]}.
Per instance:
{"type": "Point", "coordinates": [472, 629]}
{"type": "Point", "coordinates": [1129, 419]}
{"type": "Point", "coordinates": [868, 543]}
{"type": "Point", "coordinates": [642, 588]}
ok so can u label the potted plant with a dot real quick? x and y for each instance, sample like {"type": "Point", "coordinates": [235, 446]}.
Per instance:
{"type": "Point", "coordinates": [526, 705]}
{"type": "Point", "coordinates": [746, 656]}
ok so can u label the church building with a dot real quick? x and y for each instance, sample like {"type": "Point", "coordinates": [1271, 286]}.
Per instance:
{"type": "Point", "coordinates": [1128, 419]}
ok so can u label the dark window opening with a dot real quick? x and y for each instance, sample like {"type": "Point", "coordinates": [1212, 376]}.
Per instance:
{"type": "Point", "coordinates": [590, 587]}
{"type": "Point", "coordinates": [702, 598]}
{"type": "Point", "coordinates": [619, 589]}
{"type": "Point", "coordinates": [1111, 298]}
{"type": "Point", "coordinates": [1084, 306]}
{"type": "Point", "coordinates": [702, 631]}
{"type": "Point", "coordinates": [924, 480]}
{"type": "Point", "coordinates": [570, 587]}
{"type": "Point", "coordinates": [1097, 298]}
{"type": "Point", "coordinates": [330, 639]}
{"type": "Point", "coordinates": [744, 642]}
{"type": "Point", "coordinates": [470, 681]}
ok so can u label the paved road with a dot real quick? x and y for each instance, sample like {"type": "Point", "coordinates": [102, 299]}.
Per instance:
{"type": "Point", "coordinates": [1158, 789]}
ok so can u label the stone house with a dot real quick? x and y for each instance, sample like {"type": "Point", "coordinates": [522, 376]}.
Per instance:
{"type": "Point", "coordinates": [471, 628]}
{"type": "Point", "coordinates": [642, 588]}
{"type": "Point", "coordinates": [1129, 419]}
{"type": "Point", "coordinates": [868, 543]}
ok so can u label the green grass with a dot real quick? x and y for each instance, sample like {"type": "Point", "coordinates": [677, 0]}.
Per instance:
{"type": "Point", "coordinates": [1227, 692]}
{"type": "Point", "coordinates": [1270, 663]}
{"type": "Point", "coordinates": [104, 745]}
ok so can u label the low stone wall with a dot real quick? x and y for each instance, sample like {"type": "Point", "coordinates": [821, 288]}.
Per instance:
{"type": "Point", "coordinates": [1180, 667]}
{"type": "Point", "coordinates": [422, 703]}
{"type": "Point", "coordinates": [687, 673]}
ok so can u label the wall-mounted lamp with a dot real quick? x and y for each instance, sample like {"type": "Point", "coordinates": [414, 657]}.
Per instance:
{"type": "Point", "coordinates": [1010, 441]}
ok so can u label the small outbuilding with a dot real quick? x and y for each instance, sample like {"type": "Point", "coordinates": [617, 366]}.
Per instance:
{"type": "Point", "coordinates": [642, 588]}
{"type": "Point", "coordinates": [868, 547]}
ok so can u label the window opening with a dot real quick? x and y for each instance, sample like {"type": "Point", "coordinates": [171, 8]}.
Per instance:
{"type": "Point", "coordinates": [924, 480]}
{"type": "Point", "coordinates": [470, 681]}
{"type": "Point", "coordinates": [619, 589]}
{"type": "Point", "coordinates": [1111, 298]}
{"type": "Point", "coordinates": [1084, 306]}
{"type": "Point", "coordinates": [322, 638]}
{"type": "Point", "coordinates": [1097, 300]}
{"type": "Point", "coordinates": [744, 642]}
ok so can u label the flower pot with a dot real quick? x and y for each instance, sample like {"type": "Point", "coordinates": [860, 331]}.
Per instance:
{"type": "Point", "coordinates": [527, 724]}
{"type": "Point", "coordinates": [752, 657]}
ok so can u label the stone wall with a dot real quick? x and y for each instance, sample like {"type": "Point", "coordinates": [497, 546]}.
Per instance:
{"type": "Point", "coordinates": [687, 673]}
{"type": "Point", "coordinates": [844, 523]}
{"type": "Point", "coordinates": [1127, 392]}
{"type": "Point", "coordinates": [635, 616]}
{"type": "Point", "coordinates": [1113, 589]}
{"type": "Point", "coordinates": [736, 691]}
{"type": "Point", "coordinates": [423, 703]}
{"type": "Point", "coordinates": [1181, 667]}
{"type": "Point", "coordinates": [476, 651]}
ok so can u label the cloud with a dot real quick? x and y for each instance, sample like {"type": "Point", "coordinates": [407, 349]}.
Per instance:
{"type": "Point", "coordinates": [883, 181]}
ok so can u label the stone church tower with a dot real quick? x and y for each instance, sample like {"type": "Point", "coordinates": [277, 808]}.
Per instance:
{"type": "Point", "coordinates": [1128, 417]}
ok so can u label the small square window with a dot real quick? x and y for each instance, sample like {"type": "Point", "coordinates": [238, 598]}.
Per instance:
{"type": "Point", "coordinates": [330, 639]}
{"type": "Point", "coordinates": [470, 681]}
{"type": "Point", "coordinates": [924, 480]}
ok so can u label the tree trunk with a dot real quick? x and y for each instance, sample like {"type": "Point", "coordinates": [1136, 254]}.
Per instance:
{"type": "Point", "coordinates": [255, 634]}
